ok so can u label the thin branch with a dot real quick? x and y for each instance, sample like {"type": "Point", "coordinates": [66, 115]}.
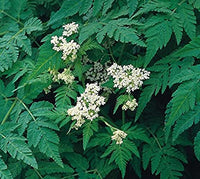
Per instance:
{"type": "Point", "coordinates": [156, 139]}
{"type": "Point", "coordinates": [9, 111]}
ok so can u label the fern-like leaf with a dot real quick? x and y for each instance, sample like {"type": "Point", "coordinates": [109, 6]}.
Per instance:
{"type": "Point", "coordinates": [120, 100]}
{"type": "Point", "coordinates": [16, 146]}
{"type": "Point", "coordinates": [158, 33]}
{"type": "Point", "coordinates": [88, 30]}
{"type": "Point", "coordinates": [145, 97]}
{"type": "Point", "coordinates": [107, 5]}
{"type": "Point", "coordinates": [188, 18]}
{"type": "Point", "coordinates": [53, 168]}
{"type": "Point", "coordinates": [86, 5]}
{"type": "Point", "coordinates": [97, 6]}
{"type": "Point", "coordinates": [4, 172]}
{"type": "Point", "coordinates": [33, 24]}
{"type": "Point", "coordinates": [156, 6]}
{"type": "Point", "coordinates": [121, 154]}
{"type": "Point", "coordinates": [63, 95]}
{"type": "Point", "coordinates": [88, 129]}
{"type": "Point", "coordinates": [186, 121]}
{"type": "Point", "coordinates": [190, 50]}
{"type": "Point", "coordinates": [68, 8]}
{"type": "Point", "coordinates": [166, 161]}
{"type": "Point", "coordinates": [48, 58]}
{"type": "Point", "coordinates": [132, 5]}
{"type": "Point", "coordinates": [183, 100]}
{"type": "Point", "coordinates": [9, 52]}
{"type": "Point", "coordinates": [195, 3]}
{"type": "Point", "coordinates": [120, 32]}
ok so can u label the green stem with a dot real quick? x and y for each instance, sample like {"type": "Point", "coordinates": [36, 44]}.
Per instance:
{"type": "Point", "coordinates": [9, 111]}
{"type": "Point", "coordinates": [108, 123]}
{"type": "Point", "coordinates": [26, 108]}
{"type": "Point", "coordinates": [156, 139]}
{"type": "Point", "coordinates": [38, 173]}
{"type": "Point", "coordinates": [13, 18]}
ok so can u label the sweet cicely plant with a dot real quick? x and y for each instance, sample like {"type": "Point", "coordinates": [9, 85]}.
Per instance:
{"type": "Point", "coordinates": [99, 89]}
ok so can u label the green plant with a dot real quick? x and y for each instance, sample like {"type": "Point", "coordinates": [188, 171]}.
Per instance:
{"type": "Point", "coordinates": [99, 88]}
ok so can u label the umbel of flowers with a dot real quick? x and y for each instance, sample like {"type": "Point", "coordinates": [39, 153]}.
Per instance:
{"type": "Point", "coordinates": [69, 49]}
{"type": "Point", "coordinates": [118, 136]}
{"type": "Point", "coordinates": [127, 76]}
{"type": "Point", "coordinates": [88, 105]}
{"type": "Point", "coordinates": [130, 104]}
{"type": "Point", "coordinates": [65, 76]}
{"type": "Point", "coordinates": [130, 78]}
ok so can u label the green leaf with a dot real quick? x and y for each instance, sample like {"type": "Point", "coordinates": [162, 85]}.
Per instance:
{"type": "Point", "coordinates": [77, 161]}
{"type": "Point", "coordinates": [158, 33]}
{"type": "Point", "coordinates": [48, 58]}
{"type": "Point", "coordinates": [16, 146]}
{"type": "Point", "coordinates": [120, 100]}
{"type": "Point", "coordinates": [177, 27]}
{"type": "Point", "coordinates": [40, 133]}
{"type": "Point", "coordinates": [183, 100]}
{"type": "Point", "coordinates": [191, 49]}
{"type": "Point", "coordinates": [186, 121]}
{"type": "Point", "coordinates": [188, 18]}
{"type": "Point", "coordinates": [132, 5]}
{"type": "Point", "coordinates": [4, 5]}
{"type": "Point", "coordinates": [88, 132]}
{"type": "Point", "coordinates": [4, 172]}
{"type": "Point", "coordinates": [166, 161]}
{"type": "Point", "coordinates": [97, 6]}
{"type": "Point", "coordinates": [119, 30]}
{"type": "Point", "coordinates": [145, 97]}
{"type": "Point", "coordinates": [88, 30]}
{"type": "Point", "coordinates": [53, 168]}
{"type": "Point", "coordinates": [195, 3]}
{"type": "Point", "coordinates": [85, 6]}
{"type": "Point", "coordinates": [190, 73]}
{"type": "Point", "coordinates": [107, 5]}
{"type": "Point", "coordinates": [67, 9]}
{"type": "Point", "coordinates": [121, 154]}
{"type": "Point", "coordinates": [24, 43]}
{"type": "Point", "coordinates": [9, 52]}
{"type": "Point", "coordinates": [33, 24]}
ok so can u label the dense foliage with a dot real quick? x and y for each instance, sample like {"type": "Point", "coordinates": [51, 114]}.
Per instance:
{"type": "Point", "coordinates": [48, 127]}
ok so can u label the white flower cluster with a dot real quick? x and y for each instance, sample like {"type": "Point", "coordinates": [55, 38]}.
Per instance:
{"type": "Point", "coordinates": [130, 105]}
{"type": "Point", "coordinates": [88, 105]}
{"type": "Point", "coordinates": [69, 49]}
{"type": "Point", "coordinates": [118, 135]}
{"type": "Point", "coordinates": [66, 76]}
{"type": "Point", "coordinates": [70, 29]}
{"type": "Point", "coordinates": [127, 76]}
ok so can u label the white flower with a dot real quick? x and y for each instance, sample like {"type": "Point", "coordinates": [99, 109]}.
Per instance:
{"type": "Point", "coordinates": [54, 74]}
{"type": "Point", "coordinates": [69, 29]}
{"type": "Point", "coordinates": [130, 105]}
{"type": "Point", "coordinates": [88, 105]}
{"type": "Point", "coordinates": [66, 76]}
{"type": "Point", "coordinates": [118, 135]}
{"type": "Point", "coordinates": [127, 76]}
{"type": "Point", "coordinates": [69, 49]}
